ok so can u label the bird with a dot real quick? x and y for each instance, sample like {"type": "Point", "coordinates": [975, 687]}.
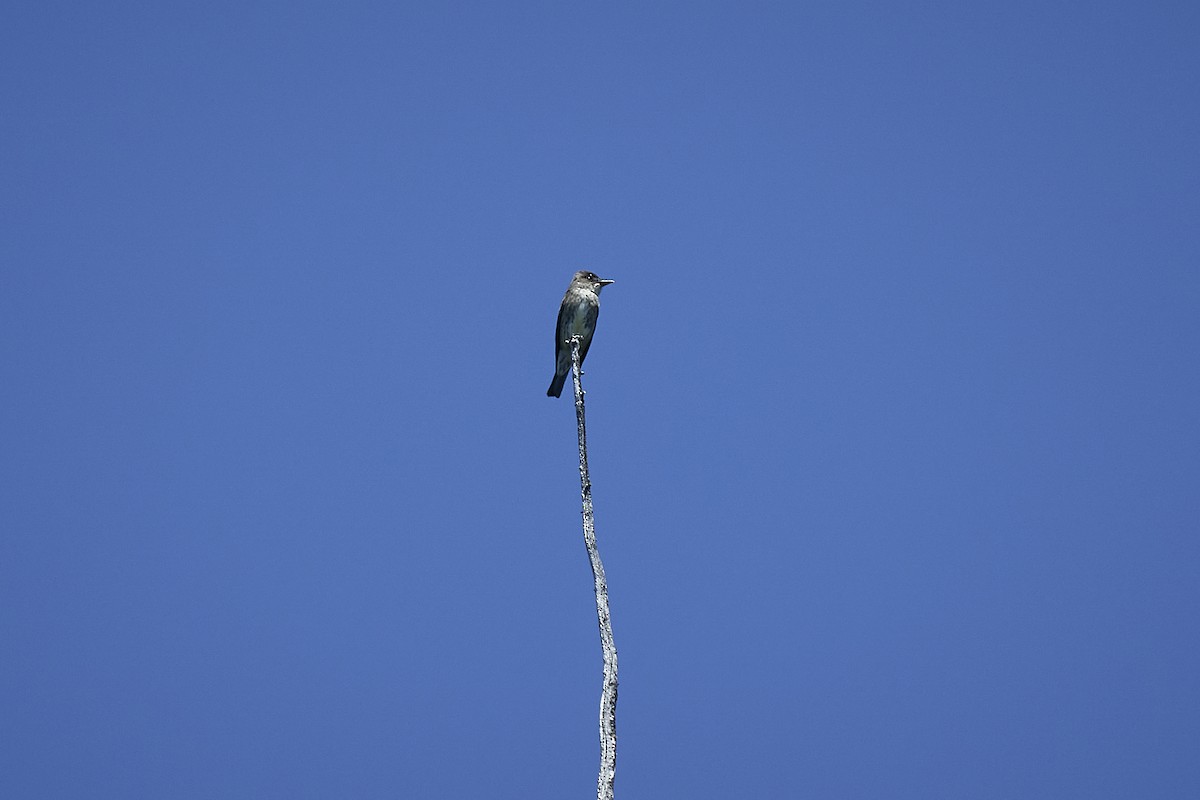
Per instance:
{"type": "Point", "coordinates": [576, 317]}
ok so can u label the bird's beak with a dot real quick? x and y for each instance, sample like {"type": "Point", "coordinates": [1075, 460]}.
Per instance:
{"type": "Point", "coordinates": [606, 283]}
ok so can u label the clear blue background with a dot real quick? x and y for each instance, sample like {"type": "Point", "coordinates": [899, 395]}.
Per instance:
{"type": "Point", "coordinates": [893, 406]}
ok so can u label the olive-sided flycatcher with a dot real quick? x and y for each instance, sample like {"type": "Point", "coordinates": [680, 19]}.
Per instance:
{"type": "Point", "coordinates": [576, 317]}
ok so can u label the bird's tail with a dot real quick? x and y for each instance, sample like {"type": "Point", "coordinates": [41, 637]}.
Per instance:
{"type": "Point", "coordinates": [556, 385]}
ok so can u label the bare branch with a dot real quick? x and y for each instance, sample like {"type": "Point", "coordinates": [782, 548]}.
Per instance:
{"type": "Point", "coordinates": [608, 692]}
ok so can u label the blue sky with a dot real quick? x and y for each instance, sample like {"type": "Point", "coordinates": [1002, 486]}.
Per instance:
{"type": "Point", "coordinates": [892, 408]}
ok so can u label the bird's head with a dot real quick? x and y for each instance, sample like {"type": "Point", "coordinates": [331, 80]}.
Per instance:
{"type": "Point", "coordinates": [591, 280]}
